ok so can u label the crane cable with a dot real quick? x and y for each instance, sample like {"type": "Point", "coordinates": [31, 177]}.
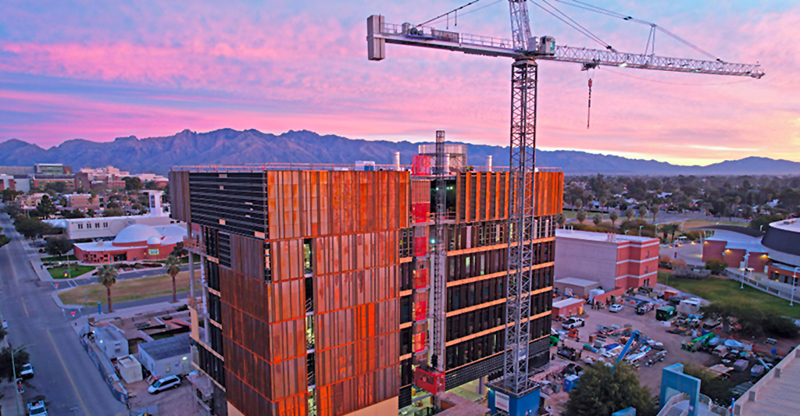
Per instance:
{"type": "Point", "coordinates": [596, 9]}
{"type": "Point", "coordinates": [449, 13]}
{"type": "Point", "coordinates": [574, 25]}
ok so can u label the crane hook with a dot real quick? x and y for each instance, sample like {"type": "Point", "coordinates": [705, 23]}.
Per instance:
{"type": "Point", "coordinates": [589, 111]}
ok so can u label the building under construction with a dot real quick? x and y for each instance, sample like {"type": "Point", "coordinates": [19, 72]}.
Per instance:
{"type": "Point", "coordinates": [314, 283]}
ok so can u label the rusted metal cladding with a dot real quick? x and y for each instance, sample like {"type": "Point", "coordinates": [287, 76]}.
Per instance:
{"type": "Point", "coordinates": [347, 290]}
{"type": "Point", "coordinates": [549, 193]}
{"type": "Point", "coordinates": [358, 392]}
{"type": "Point", "coordinates": [179, 196]}
{"type": "Point", "coordinates": [305, 204]}
{"type": "Point", "coordinates": [247, 256]}
{"type": "Point", "coordinates": [271, 303]}
{"type": "Point", "coordinates": [341, 253]}
{"type": "Point", "coordinates": [248, 401]}
{"type": "Point", "coordinates": [483, 195]}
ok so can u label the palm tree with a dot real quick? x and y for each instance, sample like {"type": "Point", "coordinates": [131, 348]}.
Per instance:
{"type": "Point", "coordinates": [561, 220]}
{"type": "Point", "coordinates": [581, 216]}
{"type": "Point", "coordinates": [107, 276]}
{"type": "Point", "coordinates": [613, 216]}
{"type": "Point", "coordinates": [173, 266]}
{"type": "Point", "coordinates": [642, 211]}
{"type": "Point", "coordinates": [630, 213]}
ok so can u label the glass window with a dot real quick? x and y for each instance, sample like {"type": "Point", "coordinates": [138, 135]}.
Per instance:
{"type": "Point", "coordinates": [307, 256]}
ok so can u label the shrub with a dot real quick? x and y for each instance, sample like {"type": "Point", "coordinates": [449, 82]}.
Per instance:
{"type": "Point", "coordinates": [716, 266]}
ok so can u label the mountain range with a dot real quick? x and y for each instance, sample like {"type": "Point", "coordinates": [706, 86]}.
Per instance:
{"type": "Point", "coordinates": [228, 146]}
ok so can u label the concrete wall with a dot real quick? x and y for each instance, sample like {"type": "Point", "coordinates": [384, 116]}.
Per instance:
{"type": "Point", "coordinates": [591, 260]}
{"type": "Point", "coordinates": [713, 250]}
{"type": "Point", "coordinates": [734, 256]}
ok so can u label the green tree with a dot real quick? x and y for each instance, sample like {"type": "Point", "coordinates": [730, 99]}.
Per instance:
{"type": "Point", "coordinates": [10, 195]}
{"type": "Point", "coordinates": [579, 203]}
{"type": "Point", "coordinates": [600, 393]}
{"type": "Point", "coordinates": [21, 357]}
{"type": "Point", "coordinates": [58, 245]}
{"type": "Point", "coordinates": [762, 222]}
{"type": "Point", "coordinates": [179, 250]}
{"type": "Point", "coordinates": [581, 216]}
{"type": "Point", "coordinates": [3, 241]}
{"type": "Point", "coordinates": [630, 213]}
{"type": "Point", "coordinates": [716, 266]}
{"type": "Point", "coordinates": [613, 216]}
{"type": "Point", "coordinates": [113, 212]}
{"type": "Point", "coordinates": [561, 220]}
{"type": "Point", "coordinates": [711, 385]}
{"type": "Point", "coordinates": [132, 183]}
{"type": "Point", "coordinates": [173, 266]}
{"type": "Point", "coordinates": [642, 211]}
{"type": "Point", "coordinates": [45, 207]}
{"type": "Point", "coordinates": [31, 227]}
{"type": "Point", "coordinates": [107, 276]}
{"type": "Point", "coordinates": [597, 219]}
{"type": "Point", "coordinates": [76, 213]}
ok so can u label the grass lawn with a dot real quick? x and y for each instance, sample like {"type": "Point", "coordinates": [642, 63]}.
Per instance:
{"type": "Point", "coordinates": [713, 221]}
{"type": "Point", "coordinates": [60, 258]}
{"type": "Point", "coordinates": [126, 290]}
{"type": "Point", "coordinates": [183, 260]}
{"type": "Point", "coordinates": [74, 269]}
{"type": "Point", "coordinates": [715, 289]}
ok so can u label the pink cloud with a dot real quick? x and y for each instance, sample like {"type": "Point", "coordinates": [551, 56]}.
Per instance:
{"type": "Point", "coordinates": [212, 69]}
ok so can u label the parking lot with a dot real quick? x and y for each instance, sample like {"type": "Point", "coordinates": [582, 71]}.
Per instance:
{"type": "Point", "coordinates": [176, 402]}
{"type": "Point", "coordinates": [647, 325]}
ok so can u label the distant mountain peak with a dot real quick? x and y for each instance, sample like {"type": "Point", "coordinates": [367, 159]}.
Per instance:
{"type": "Point", "coordinates": [229, 146]}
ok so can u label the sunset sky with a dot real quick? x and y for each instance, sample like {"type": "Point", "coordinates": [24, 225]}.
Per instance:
{"type": "Point", "coordinates": [99, 70]}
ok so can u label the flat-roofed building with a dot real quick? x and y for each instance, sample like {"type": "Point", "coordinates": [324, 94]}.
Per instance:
{"type": "Point", "coordinates": [777, 393]}
{"type": "Point", "coordinates": [317, 284]}
{"type": "Point", "coordinates": [614, 261]}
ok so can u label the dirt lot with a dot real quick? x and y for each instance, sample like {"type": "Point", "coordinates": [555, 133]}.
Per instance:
{"type": "Point", "coordinates": [648, 325]}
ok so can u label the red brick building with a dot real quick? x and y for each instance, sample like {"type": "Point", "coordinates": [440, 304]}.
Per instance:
{"type": "Point", "coordinates": [613, 260]}
{"type": "Point", "coordinates": [135, 243]}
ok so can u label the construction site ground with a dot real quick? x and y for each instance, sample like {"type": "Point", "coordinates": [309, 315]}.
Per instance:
{"type": "Point", "coordinates": [646, 324]}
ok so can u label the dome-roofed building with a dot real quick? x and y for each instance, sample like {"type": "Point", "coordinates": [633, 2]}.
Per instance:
{"type": "Point", "coordinates": [134, 243]}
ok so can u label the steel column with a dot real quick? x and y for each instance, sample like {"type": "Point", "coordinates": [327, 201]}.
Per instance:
{"type": "Point", "coordinates": [439, 259]}
{"type": "Point", "coordinates": [521, 225]}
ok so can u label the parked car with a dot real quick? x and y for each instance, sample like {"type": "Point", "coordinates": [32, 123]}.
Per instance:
{"type": "Point", "coordinates": [164, 384]}
{"type": "Point", "coordinates": [37, 408]}
{"type": "Point", "coordinates": [27, 371]}
{"type": "Point", "coordinates": [573, 323]}
{"type": "Point", "coordinates": [615, 307]}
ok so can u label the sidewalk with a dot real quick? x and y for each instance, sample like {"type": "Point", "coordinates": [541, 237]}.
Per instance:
{"type": "Point", "coordinates": [10, 401]}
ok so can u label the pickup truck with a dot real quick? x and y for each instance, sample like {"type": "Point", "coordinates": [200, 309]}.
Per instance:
{"type": "Point", "coordinates": [573, 323]}
{"type": "Point", "coordinates": [37, 408]}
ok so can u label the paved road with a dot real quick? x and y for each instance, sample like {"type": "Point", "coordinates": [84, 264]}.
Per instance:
{"type": "Point", "coordinates": [64, 372]}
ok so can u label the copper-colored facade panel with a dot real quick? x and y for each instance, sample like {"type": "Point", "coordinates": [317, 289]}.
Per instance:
{"type": "Point", "coordinates": [179, 196]}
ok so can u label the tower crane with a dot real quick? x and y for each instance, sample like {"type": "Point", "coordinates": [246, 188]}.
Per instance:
{"type": "Point", "coordinates": [525, 50]}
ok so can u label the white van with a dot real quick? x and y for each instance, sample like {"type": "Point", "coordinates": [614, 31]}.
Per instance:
{"type": "Point", "coordinates": [166, 383]}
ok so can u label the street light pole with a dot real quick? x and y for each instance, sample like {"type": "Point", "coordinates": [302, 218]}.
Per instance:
{"type": "Point", "coordinates": [640, 230]}
{"type": "Point", "coordinates": [794, 280]}
{"type": "Point", "coordinates": [744, 272]}
{"type": "Point", "coordinates": [14, 372]}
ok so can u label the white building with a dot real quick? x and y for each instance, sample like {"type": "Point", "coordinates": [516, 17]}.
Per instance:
{"type": "Point", "coordinates": [109, 227]}
{"type": "Point", "coordinates": [167, 357]}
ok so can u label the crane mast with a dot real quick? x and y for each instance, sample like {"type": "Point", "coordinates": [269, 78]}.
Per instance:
{"type": "Point", "coordinates": [516, 384]}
